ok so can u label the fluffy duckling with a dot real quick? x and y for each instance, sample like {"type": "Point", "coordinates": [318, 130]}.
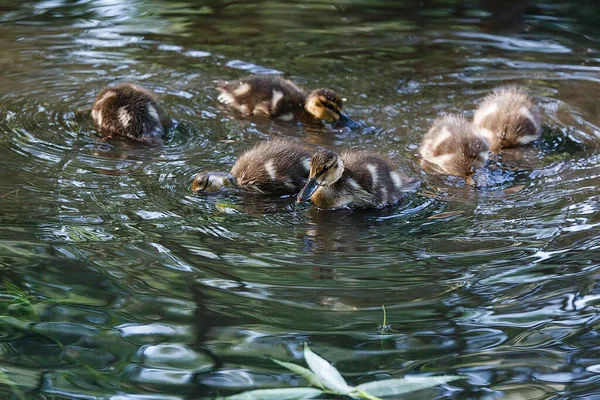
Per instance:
{"type": "Point", "coordinates": [129, 111]}
{"type": "Point", "coordinates": [278, 166]}
{"type": "Point", "coordinates": [451, 146]}
{"type": "Point", "coordinates": [508, 117]}
{"type": "Point", "coordinates": [351, 179]}
{"type": "Point", "coordinates": [272, 96]}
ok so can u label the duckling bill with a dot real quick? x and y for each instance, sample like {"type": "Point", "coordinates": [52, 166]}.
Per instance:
{"type": "Point", "coordinates": [453, 147]}
{"type": "Point", "coordinates": [272, 96]}
{"type": "Point", "coordinates": [277, 166]}
{"type": "Point", "coordinates": [351, 179]}
{"type": "Point", "coordinates": [508, 118]}
{"type": "Point", "coordinates": [130, 111]}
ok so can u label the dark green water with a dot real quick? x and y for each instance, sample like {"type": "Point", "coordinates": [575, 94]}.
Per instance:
{"type": "Point", "coordinates": [131, 287]}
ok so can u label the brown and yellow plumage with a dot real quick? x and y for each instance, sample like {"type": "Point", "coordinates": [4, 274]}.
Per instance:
{"type": "Point", "coordinates": [273, 96]}
{"type": "Point", "coordinates": [278, 166]}
{"type": "Point", "coordinates": [129, 111]}
{"type": "Point", "coordinates": [451, 146]}
{"type": "Point", "coordinates": [351, 179]}
{"type": "Point", "coordinates": [507, 118]}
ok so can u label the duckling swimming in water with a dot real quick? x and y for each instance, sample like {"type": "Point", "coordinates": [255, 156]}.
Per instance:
{"type": "Point", "coordinates": [272, 96]}
{"type": "Point", "coordinates": [278, 166]}
{"type": "Point", "coordinates": [451, 146]}
{"type": "Point", "coordinates": [351, 179]}
{"type": "Point", "coordinates": [508, 117]}
{"type": "Point", "coordinates": [129, 111]}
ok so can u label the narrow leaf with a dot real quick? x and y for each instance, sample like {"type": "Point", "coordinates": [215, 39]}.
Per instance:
{"type": "Point", "coordinates": [360, 394]}
{"type": "Point", "coordinates": [331, 377]}
{"type": "Point", "coordinates": [277, 394]}
{"type": "Point", "coordinates": [14, 323]}
{"type": "Point", "coordinates": [304, 372]}
{"type": "Point", "coordinates": [446, 214]}
{"type": "Point", "coordinates": [514, 189]}
{"type": "Point", "coordinates": [394, 387]}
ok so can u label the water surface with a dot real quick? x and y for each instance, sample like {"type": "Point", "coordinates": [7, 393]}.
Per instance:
{"type": "Point", "coordinates": [118, 283]}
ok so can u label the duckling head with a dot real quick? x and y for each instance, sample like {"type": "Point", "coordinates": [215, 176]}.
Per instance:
{"type": "Point", "coordinates": [473, 155]}
{"type": "Point", "coordinates": [326, 105]}
{"type": "Point", "coordinates": [326, 168]}
{"type": "Point", "coordinates": [211, 181]}
{"type": "Point", "coordinates": [462, 161]}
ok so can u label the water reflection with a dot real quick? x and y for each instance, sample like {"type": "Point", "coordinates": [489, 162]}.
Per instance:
{"type": "Point", "coordinates": [132, 287]}
{"type": "Point", "coordinates": [507, 16]}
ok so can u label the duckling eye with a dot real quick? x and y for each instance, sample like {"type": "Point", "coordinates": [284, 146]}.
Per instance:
{"type": "Point", "coordinates": [326, 168]}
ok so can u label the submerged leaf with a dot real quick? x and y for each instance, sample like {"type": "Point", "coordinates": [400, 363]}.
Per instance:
{"type": "Point", "coordinates": [304, 372]}
{"type": "Point", "coordinates": [277, 394]}
{"type": "Point", "coordinates": [18, 378]}
{"type": "Point", "coordinates": [446, 214]}
{"type": "Point", "coordinates": [514, 189]}
{"type": "Point", "coordinates": [394, 387]}
{"type": "Point", "coordinates": [331, 377]}
{"type": "Point", "coordinates": [15, 323]}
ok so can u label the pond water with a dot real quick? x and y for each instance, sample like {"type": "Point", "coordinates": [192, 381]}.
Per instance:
{"type": "Point", "coordinates": [118, 283]}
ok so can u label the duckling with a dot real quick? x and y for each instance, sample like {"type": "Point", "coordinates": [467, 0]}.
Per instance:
{"type": "Point", "coordinates": [451, 146]}
{"type": "Point", "coordinates": [278, 166]}
{"type": "Point", "coordinates": [129, 111]}
{"type": "Point", "coordinates": [351, 179]}
{"type": "Point", "coordinates": [508, 117]}
{"type": "Point", "coordinates": [272, 96]}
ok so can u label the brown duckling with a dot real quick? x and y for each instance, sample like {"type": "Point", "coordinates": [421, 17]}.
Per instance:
{"type": "Point", "coordinates": [451, 146]}
{"type": "Point", "coordinates": [278, 166]}
{"type": "Point", "coordinates": [127, 110]}
{"type": "Point", "coordinates": [351, 179]}
{"type": "Point", "coordinates": [507, 118]}
{"type": "Point", "coordinates": [272, 96]}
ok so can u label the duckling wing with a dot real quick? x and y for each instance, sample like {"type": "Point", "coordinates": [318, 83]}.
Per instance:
{"type": "Point", "coordinates": [374, 179]}
{"type": "Point", "coordinates": [278, 166]}
{"type": "Point", "coordinates": [262, 95]}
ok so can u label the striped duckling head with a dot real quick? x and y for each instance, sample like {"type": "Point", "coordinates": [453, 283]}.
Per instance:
{"type": "Point", "coordinates": [326, 105]}
{"type": "Point", "coordinates": [452, 146]}
{"type": "Point", "coordinates": [326, 168]}
{"type": "Point", "coordinates": [212, 181]}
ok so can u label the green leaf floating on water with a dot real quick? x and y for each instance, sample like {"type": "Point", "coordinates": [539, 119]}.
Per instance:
{"type": "Point", "coordinates": [326, 377]}
{"type": "Point", "coordinates": [331, 377]}
{"type": "Point", "coordinates": [304, 372]}
{"type": "Point", "coordinates": [277, 394]}
{"type": "Point", "coordinates": [394, 387]}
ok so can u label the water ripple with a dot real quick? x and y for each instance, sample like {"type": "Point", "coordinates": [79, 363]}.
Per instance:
{"type": "Point", "coordinates": [113, 268]}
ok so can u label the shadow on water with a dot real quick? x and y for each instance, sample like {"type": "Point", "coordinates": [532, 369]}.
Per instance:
{"type": "Point", "coordinates": [118, 282]}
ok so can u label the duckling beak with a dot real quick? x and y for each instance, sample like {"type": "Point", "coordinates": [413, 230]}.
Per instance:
{"type": "Point", "coordinates": [309, 189]}
{"type": "Point", "coordinates": [346, 121]}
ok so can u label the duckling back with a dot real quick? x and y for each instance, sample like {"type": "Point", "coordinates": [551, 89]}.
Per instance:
{"type": "Point", "coordinates": [368, 180]}
{"type": "Point", "coordinates": [130, 111]}
{"type": "Point", "coordinates": [451, 146]}
{"type": "Point", "coordinates": [268, 96]}
{"type": "Point", "coordinates": [508, 117]}
{"type": "Point", "coordinates": [277, 166]}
